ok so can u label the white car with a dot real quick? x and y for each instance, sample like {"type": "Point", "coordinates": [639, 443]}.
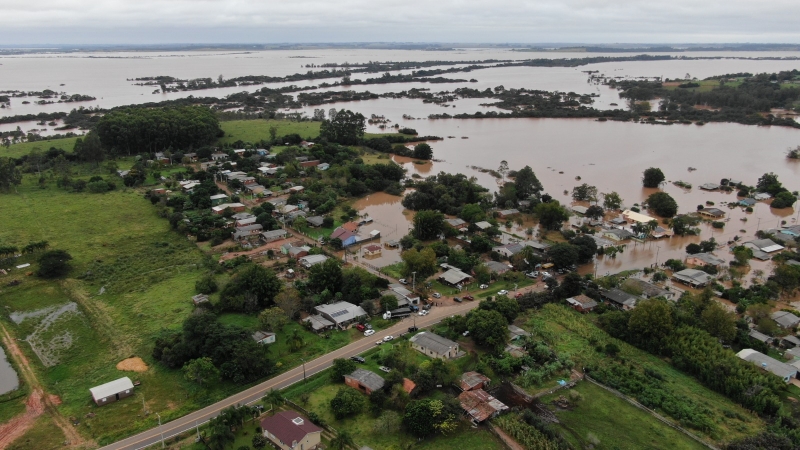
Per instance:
{"type": "Point", "coordinates": [546, 275]}
{"type": "Point", "coordinates": [403, 281]}
{"type": "Point", "coordinates": [437, 295]}
{"type": "Point", "coordinates": [369, 332]}
{"type": "Point", "coordinates": [502, 292]}
{"type": "Point", "coordinates": [388, 338]}
{"type": "Point", "coordinates": [379, 342]}
{"type": "Point", "coordinates": [423, 313]}
{"type": "Point", "coordinates": [384, 369]}
{"type": "Point", "coordinates": [484, 286]}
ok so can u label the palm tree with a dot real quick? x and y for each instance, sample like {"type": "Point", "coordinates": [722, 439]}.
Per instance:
{"type": "Point", "coordinates": [296, 341]}
{"type": "Point", "coordinates": [342, 441]}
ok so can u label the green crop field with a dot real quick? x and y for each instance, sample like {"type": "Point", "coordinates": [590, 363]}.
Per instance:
{"type": "Point", "coordinates": [21, 149]}
{"type": "Point", "coordinates": [569, 332]}
{"type": "Point", "coordinates": [609, 422]}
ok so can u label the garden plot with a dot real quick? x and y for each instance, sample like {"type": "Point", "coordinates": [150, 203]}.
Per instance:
{"type": "Point", "coordinates": [50, 330]}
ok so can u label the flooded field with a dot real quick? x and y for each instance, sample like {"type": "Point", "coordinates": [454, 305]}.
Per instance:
{"type": "Point", "coordinates": [49, 335]}
{"type": "Point", "coordinates": [9, 380]}
{"type": "Point", "coordinates": [390, 218]}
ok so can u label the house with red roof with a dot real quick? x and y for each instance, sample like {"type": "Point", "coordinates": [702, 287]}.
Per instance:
{"type": "Point", "coordinates": [290, 430]}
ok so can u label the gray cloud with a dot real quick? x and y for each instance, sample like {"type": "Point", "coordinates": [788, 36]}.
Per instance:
{"type": "Point", "coordinates": [189, 21]}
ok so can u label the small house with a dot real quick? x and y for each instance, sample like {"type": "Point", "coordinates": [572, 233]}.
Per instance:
{"type": "Point", "coordinates": [341, 313]}
{"type": "Point", "coordinates": [365, 381]}
{"type": "Point", "coordinates": [348, 238]}
{"type": "Point", "coordinates": [290, 430]}
{"type": "Point", "coordinates": [350, 226]}
{"type": "Point", "coordinates": [112, 391]}
{"type": "Point", "coordinates": [219, 156]}
{"type": "Point", "coordinates": [454, 277]}
{"type": "Point", "coordinates": [714, 213]}
{"type": "Point", "coordinates": [633, 216]}
{"type": "Point", "coordinates": [785, 371]}
{"type": "Point", "coordinates": [483, 225]}
{"type": "Point", "coordinates": [582, 303]}
{"type": "Point", "coordinates": [785, 319]}
{"type": "Point", "coordinates": [506, 213]}
{"type": "Point", "coordinates": [264, 337]}
{"type": "Point", "coordinates": [509, 250]}
{"type": "Point", "coordinates": [747, 202]}
{"type": "Point", "coordinates": [372, 250]}
{"type": "Point", "coordinates": [709, 186]}
{"type": "Point", "coordinates": [433, 345]}
{"type": "Point", "coordinates": [274, 235]}
{"type": "Point", "coordinates": [516, 332]}
{"type": "Point", "coordinates": [473, 380]}
{"type": "Point", "coordinates": [479, 405]}
{"type": "Point", "coordinates": [220, 209]}
{"type": "Point", "coordinates": [650, 290]}
{"type": "Point", "coordinates": [616, 234]}
{"type": "Point", "coordinates": [312, 260]}
{"type": "Point", "coordinates": [762, 196]}
{"type": "Point", "coordinates": [790, 341]}
{"type": "Point", "coordinates": [693, 277]}
{"type": "Point", "coordinates": [761, 337]}
{"type": "Point", "coordinates": [580, 210]}
{"type": "Point", "coordinates": [619, 298]}
{"type": "Point", "coordinates": [704, 259]}
{"type": "Point", "coordinates": [763, 245]}
{"type": "Point", "coordinates": [199, 299]}
{"type": "Point", "coordinates": [496, 267]}
{"type": "Point", "coordinates": [456, 223]}
{"type": "Point", "coordinates": [315, 221]}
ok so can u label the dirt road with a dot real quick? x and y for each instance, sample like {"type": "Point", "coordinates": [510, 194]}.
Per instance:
{"type": "Point", "coordinates": [38, 403]}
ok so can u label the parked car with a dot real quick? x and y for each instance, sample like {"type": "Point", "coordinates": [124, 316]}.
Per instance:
{"type": "Point", "coordinates": [502, 292]}
{"type": "Point", "coordinates": [519, 294]}
{"type": "Point", "coordinates": [403, 281]}
{"type": "Point", "coordinates": [456, 299]}
{"type": "Point", "coordinates": [424, 312]}
{"type": "Point", "coordinates": [469, 297]}
{"type": "Point", "coordinates": [388, 338]}
{"type": "Point", "coordinates": [360, 327]}
{"type": "Point", "coordinates": [533, 274]}
{"type": "Point", "coordinates": [427, 307]}
{"type": "Point", "coordinates": [368, 326]}
{"type": "Point", "coordinates": [466, 333]}
{"type": "Point", "coordinates": [379, 342]}
{"type": "Point", "coordinates": [358, 359]}
{"type": "Point", "coordinates": [369, 332]}
{"type": "Point", "coordinates": [413, 307]}
{"type": "Point", "coordinates": [546, 275]}
{"type": "Point", "coordinates": [484, 286]}
{"type": "Point", "coordinates": [412, 329]}
{"type": "Point", "coordinates": [385, 369]}
{"type": "Point", "coordinates": [437, 295]}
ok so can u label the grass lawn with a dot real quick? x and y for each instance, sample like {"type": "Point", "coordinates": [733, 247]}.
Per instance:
{"type": "Point", "coordinates": [615, 423]}
{"type": "Point", "coordinates": [569, 332]}
{"type": "Point", "coordinates": [394, 270]}
{"type": "Point", "coordinates": [23, 148]}
{"type": "Point", "coordinates": [258, 129]}
{"type": "Point", "coordinates": [43, 434]}
{"type": "Point", "coordinates": [705, 85]}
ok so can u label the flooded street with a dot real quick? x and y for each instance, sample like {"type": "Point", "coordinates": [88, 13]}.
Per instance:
{"type": "Point", "coordinates": [390, 218]}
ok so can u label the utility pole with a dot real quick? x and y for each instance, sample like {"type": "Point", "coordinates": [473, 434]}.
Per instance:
{"type": "Point", "coordinates": [161, 430]}
{"type": "Point", "coordinates": [413, 281]}
{"type": "Point", "coordinates": [144, 408]}
{"type": "Point", "coordinates": [304, 368]}
{"type": "Point", "coordinates": [658, 249]}
{"type": "Point", "coordinates": [197, 427]}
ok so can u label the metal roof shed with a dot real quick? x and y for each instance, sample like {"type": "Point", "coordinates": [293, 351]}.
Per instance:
{"type": "Point", "coordinates": [112, 391]}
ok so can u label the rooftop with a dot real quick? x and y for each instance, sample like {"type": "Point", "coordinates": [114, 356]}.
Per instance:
{"type": "Point", "coordinates": [289, 426]}
{"type": "Point", "coordinates": [497, 267]}
{"type": "Point", "coordinates": [765, 245]}
{"type": "Point", "coordinates": [369, 379]}
{"type": "Point", "coordinates": [480, 405]}
{"type": "Point", "coordinates": [483, 225]}
{"type": "Point", "coordinates": [341, 312]}
{"type": "Point", "coordinates": [785, 319]}
{"type": "Point", "coordinates": [693, 276]}
{"type": "Point", "coordinates": [583, 301]}
{"type": "Point", "coordinates": [111, 388]}
{"type": "Point", "coordinates": [709, 259]}
{"type": "Point", "coordinates": [780, 369]}
{"type": "Point", "coordinates": [454, 276]}
{"type": "Point", "coordinates": [433, 342]}
{"type": "Point", "coordinates": [471, 379]}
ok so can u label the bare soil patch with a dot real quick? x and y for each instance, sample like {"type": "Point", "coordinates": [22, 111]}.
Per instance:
{"type": "Point", "coordinates": [134, 364]}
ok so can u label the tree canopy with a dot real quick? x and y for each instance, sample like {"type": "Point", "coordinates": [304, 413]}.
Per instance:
{"type": "Point", "coordinates": [663, 204]}
{"type": "Point", "coordinates": [345, 127]}
{"type": "Point", "coordinates": [653, 177]}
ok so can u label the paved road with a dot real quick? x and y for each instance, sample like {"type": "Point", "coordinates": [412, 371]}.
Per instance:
{"type": "Point", "coordinates": [186, 423]}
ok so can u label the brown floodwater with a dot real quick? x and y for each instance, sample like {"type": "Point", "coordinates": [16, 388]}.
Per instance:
{"type": "Point", "coordinates": [390, 218]}
{"type": "Point", "coordinates": [612, 156]}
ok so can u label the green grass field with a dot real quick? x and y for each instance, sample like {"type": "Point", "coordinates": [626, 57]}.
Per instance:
{"type": "Point", "coordinates": [21, 149]}
{"type": "Point", "coordinates": [705, 85]}
{"type": "Point", "coordinates": [147, 274]}
{"type": "Point", "coordinates": [257, 130]}
{"type": "Point", "coordinates": [602, 417]}
{"type": "Point", "coordinates": [569, 332]}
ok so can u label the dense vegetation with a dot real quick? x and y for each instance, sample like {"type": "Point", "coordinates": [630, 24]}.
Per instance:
{"type": "Point", "coordinates": [446, 193]}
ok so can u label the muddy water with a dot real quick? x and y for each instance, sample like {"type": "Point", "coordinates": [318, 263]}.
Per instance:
{"type": "Point", "coordinates": [612, 156]}
{"type": "Point", "coordinates": [8, 377]}
{"type": "Point", "coordinates": [390, 218]}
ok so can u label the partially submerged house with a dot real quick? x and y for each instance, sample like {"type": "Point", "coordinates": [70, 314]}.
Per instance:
{"type": "Point", "coordinates": [633, 216]}
{"type": "Point", "coordinates": [650, 290]}
{"type": "Point", "coordinates": [704, 259]}
{"type": "Point", "coordinates": [456, 223]}
{"type": "Point", "coordinates": [714, 213]}
{"type": "Point", "coordinates": [112, 391]}
{"type": "Point", "coordinates": [365, 381]}
{"type": "Point", "coordinates": [693, 277]}
{"type": "Point", "coordinates": [433, 345]}
{"type": "Point", "coordinates": [506, 213]}
{"type": "Point", "coordinates": [616, 234]}
{"type": "Point", "coordinates": [763, 247]}
{"type": "Point", "coordinates": [372, 250]}
{"type": "Point", "coordinates": [509, 250]}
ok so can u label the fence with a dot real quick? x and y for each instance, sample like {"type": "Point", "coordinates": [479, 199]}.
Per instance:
{"type": "Point", "coordinates": [653, 413]}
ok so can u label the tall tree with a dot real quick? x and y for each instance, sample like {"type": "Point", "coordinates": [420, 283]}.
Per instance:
{"type": "Point", "coordinates": [423, 151]}
{"type": "Point", "coordinates": [89, 148]}
{"type": "Point", "coordinates": [345, 127]}
{"type": "Point", "coordinates": [10, 175]}
{"type": "Point", "coordinates": [612, 201]}
{"type": "Point", "coordinates": [527, 184]}
{"type": "Point", "coordinates": [663, 204]}
{"type": "Point", "coordinates": [428, 225]}
{"type": "Point", "coordinates": [201, 371]}
{"type": "Point", "coordinates": [551, 215]}
{"type": "Point", "coordinates": [653, 177]}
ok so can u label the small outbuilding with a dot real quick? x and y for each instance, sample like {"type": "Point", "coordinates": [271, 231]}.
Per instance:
{"type": "Point", "coordinates": [264, 337]}
{"type": "Point", "coordinates": [365, 381]}
{"type": "Point", "coordinates": [582, 303]}
{"type": "Point", "coordinates": [112, 391]}
{"type": "Point", "coordinates": [473, 380]}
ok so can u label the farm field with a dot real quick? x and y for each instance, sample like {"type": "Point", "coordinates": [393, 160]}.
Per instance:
{"type": "Point", "coordinates": [568, 332]}
{"type": "Point", "coordinates": [23, 148]}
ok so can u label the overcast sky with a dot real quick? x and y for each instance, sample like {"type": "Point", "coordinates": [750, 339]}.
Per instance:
{"type": "Point", "coordinates": [490, 21]}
